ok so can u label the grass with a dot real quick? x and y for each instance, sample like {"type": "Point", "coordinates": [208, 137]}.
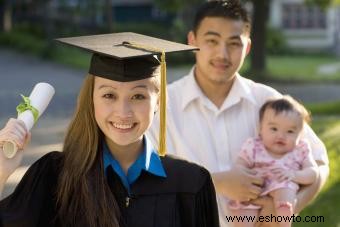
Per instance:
{"type": "Point", "coordinates": [304, 68]}
{"type": "Point", "coordinates": [298, 68]}
{"type": "Point", "coordinates": [327, 204]}
{"type": "Point", "coordinates": [325, 108]}
{"type": "Point", "coordinates": [71, 56]}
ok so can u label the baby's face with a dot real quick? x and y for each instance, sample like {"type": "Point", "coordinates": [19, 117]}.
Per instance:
{"type": "Point", "coordinates": [280, 132]}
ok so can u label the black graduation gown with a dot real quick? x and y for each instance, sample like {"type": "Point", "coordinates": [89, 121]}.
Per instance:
{"type": "Point", "coordinates": [186, 197]}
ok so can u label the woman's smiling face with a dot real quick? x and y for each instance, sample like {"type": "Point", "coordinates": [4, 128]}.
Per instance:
{"type": "Point", "coordinates": [124, 110]}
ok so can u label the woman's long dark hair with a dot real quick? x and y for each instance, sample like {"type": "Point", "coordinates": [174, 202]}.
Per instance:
{"type": "Point", "coordinates": [83, 195]}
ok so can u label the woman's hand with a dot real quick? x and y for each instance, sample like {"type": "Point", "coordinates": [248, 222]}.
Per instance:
{"type": "Point", "coordinates": [14, 131]}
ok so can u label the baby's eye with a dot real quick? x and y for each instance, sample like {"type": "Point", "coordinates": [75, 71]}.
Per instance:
{"type": "Point", "coordinates": [273, 129]}
{"type": "Point", "coordinates": [138, 97]}
{"type": "Point", "coordinates": [290, 131]}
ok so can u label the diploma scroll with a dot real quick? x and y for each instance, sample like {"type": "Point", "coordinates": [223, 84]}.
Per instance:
{"type": "Point", "coordinates": [38, 100]}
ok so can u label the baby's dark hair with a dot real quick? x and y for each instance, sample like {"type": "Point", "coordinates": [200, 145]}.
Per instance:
{"type": "Point", "coordinates": [229, 9]}
{"type": "Point", "coordinates": [285, 104]}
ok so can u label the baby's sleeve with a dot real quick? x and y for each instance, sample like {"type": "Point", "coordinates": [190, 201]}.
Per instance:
{"type": "Point", "coordinates": [304, 151]}
{"type": "Point", "coordinates": [247, 152]}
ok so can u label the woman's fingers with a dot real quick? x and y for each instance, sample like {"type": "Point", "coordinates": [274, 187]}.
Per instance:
{"type": "Point", "coordinates": [15, 131]}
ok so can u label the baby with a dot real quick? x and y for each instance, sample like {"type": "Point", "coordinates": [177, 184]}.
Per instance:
{"type": "Point", "coordinates": [280, 156]}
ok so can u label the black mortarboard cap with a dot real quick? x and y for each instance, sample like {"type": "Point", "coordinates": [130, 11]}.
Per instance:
{"type": "Point", "coordinates": [124, 56]}
{"type": "Point", "coordinates": [127, 57]}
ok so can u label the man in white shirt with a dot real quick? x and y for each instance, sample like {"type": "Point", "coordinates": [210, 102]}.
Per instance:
{"type": "Point", "coordinates": [213, 110]}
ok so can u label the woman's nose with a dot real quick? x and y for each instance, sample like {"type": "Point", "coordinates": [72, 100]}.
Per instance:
{"type": "Point", "coordinates": [123, 109]}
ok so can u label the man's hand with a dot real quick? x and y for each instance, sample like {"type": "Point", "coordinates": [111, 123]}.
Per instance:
{"type": "Point", "coordinates": [239, 183]}
{"type": "Point", "coordinates": [267, 209]}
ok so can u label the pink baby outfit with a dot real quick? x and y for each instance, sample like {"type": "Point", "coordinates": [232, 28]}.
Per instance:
{"type": "Point", "coordinates": [258, 158]}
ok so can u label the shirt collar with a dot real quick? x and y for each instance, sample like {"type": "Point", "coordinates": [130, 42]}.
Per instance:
{"type": "Point", "coordinates": [193, 91]}
{"type": "Point", "coordinates": [148, 160]}
{"type": "Point", "coordinates": [240, 90]}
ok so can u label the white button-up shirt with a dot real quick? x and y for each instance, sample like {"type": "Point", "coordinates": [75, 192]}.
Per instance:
{"type": "Point", "coordinates": [202, 133]}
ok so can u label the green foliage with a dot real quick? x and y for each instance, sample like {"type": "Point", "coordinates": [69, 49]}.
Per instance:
{"type": "Point", "coordinates": [71, 56]}
{"type": "Point", "coordinates": [23, 41]}
{"type": "Point", "coordinates": [321, 3]}
{"type": "Point", "coordinates": [327, 204]}
{"type": "Point", "coordinates": [31, 43]}
{"type": "Point", "coordinates": [325, 108]}
{"type": "Point", "coordinates": [276, 42]}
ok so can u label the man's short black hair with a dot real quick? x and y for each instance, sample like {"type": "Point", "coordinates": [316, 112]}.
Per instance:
{"type": "Point", "coordinates": [229, 9]}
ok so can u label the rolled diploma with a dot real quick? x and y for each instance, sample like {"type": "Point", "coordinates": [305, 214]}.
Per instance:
{"type": "Point", "coordinates": [40, 97]}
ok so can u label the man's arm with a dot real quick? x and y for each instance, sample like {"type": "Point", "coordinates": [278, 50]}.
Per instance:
{"type": "Point", "coordinates": [308, 193]}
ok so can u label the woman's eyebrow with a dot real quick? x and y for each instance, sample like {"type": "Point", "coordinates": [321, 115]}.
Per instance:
{"type": "Point", "coordinates": [106, 86]}
{"type": "Point", "coordinates": [140, 86]}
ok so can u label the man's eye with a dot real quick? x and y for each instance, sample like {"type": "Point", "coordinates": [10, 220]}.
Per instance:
{"type": "Point", "coordinates": [212, 41]}
{"type": "Point", "coordinates": [236, 44]}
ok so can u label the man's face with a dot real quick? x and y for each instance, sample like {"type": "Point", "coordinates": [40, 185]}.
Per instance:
{"type": "Point", "coordinates": [223, 46]}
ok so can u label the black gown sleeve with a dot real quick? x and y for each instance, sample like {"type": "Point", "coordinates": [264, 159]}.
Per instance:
{"type": "Point", "coordinates": [33, 201]}
{"type": "Point", "coordinates": [206, 211]}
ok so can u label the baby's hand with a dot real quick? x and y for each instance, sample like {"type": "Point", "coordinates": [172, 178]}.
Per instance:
{"type": "Point", "coordinates": [283, 174]}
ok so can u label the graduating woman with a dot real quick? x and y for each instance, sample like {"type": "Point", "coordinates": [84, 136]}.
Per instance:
{"type": "Point", "coordinates": [109, 174]}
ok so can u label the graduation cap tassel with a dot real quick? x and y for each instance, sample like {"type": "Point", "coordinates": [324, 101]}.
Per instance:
{"type": "Point", "coordinates": [162, 127]}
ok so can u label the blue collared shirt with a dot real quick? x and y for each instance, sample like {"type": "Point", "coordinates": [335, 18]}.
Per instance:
{"type": "Point", "coordinates": [148, 160]}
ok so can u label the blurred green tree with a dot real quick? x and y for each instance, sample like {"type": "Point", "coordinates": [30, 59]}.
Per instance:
{"type": "Point", "coordinates": [184, 12]}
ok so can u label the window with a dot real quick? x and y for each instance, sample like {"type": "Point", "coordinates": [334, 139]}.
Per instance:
{"type": "Point", "coordinates": [296, 16]}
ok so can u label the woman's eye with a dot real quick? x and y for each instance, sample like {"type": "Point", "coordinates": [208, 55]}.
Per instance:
{"type": "Point", "coordinates": [108, 96]}
{"type": "Point", "coordinates": [138, 97]}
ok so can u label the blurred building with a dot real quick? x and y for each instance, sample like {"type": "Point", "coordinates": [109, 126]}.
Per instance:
{"type": "Point", "coordinates": [307, 27]}
{"type": "Point", "coordinates": [121, 10]}
{"type": "Point", "coordinates": [138, 10]}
